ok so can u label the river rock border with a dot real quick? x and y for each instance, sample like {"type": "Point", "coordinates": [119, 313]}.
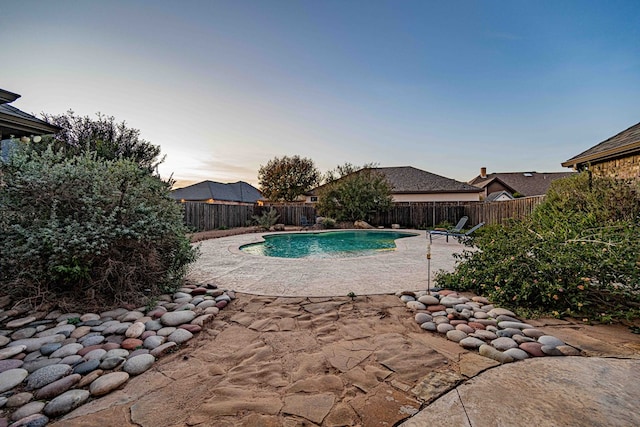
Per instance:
{"type": "Point", "coordinates": [476, 324]}
{"type": "Point", "coordinates": [54, 362]}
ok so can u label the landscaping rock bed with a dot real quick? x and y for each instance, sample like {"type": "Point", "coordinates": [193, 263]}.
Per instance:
{"type": "Point", "coordinates": [53, 362]}
{"type": "Point", "coordinates": [475, 323]}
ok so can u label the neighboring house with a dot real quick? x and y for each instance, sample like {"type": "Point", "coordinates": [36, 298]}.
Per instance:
{"type": "Point", "coordinates": [516, 183]}
{"type": "Point", "coordinates": [499, 196]}
{"type": "Point", "coordinates": [415, 185]}
{"type": "Point", "coordinates": [217, 192]}
{"type": "Point", "coordinates": [616, 157]}
{"type": "Point", "coordinates": [18, 124]}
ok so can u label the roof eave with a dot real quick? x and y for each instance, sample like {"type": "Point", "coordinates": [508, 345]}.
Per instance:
{"type": "Point", "coordinates": [603, 155]}
{"type": "Point", "coordinates": [26, 127]}
{"type": "Point", "coordinates": [7, 97]}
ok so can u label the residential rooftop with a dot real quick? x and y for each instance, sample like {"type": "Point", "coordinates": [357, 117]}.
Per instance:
{"type": "Point", "coordinates": [526, 183]}
{"type": "Point", "coordinates": [240, 191]}
{"type": "Point", "coordinates": [621, 144]}
{"type": "Point", "coordinates": [409, 180]}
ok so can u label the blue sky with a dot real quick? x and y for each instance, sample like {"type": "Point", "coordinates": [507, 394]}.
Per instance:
{"type": "Point", "coordinates": [224, 86]}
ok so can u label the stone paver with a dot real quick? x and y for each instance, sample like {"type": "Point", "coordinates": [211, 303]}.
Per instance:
{"type": "Point", "coordinates": [546, 392]}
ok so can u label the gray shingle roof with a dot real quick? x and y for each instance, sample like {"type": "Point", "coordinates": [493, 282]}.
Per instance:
{"type": "Point", "coordinates": [18, 123]}
{"type": "Point", "coordinates": [407, 179]}
{"type": "Point", "coordinates": [625, 142]}
{"type": "Point", "coordinates": [525, 183]}
{"type": "Point", "coordinates": [410, 180]}
{"type": "Point", "coordinates": [6, 96]}
{"type": "Point", "coordinates": [235, 192]}
{"type": "Point", "coordinates": [13, 111]}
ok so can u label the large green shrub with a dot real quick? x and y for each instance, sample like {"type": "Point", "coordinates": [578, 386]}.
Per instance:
{"type": "Point", "coordinates": [578, 254]}
{"type": "Point", "coordinates": [87, 230]}
{"type": "Point", "coordinates": [355, 196]}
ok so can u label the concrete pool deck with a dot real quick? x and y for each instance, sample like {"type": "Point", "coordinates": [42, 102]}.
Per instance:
{"type": "Point", "coordinates": [223, 263]}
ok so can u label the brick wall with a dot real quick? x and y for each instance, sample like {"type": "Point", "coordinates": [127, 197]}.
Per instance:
{"type": "Point", "coordinates": [624, 168]}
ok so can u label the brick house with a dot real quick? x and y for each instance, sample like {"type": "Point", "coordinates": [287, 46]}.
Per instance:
{"type": "Point", "coordinates": [616, 157]}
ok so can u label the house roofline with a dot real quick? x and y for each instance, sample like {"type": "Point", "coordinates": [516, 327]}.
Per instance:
{"type": "Point", "coordinates": [484, 184]}
{"type": "Point", "coordinates": [476, 190]}
{"type": "Point", "coordinates": [602, 155]}
{"type": "Point", "coordinates": [26, 126]}
{"type": "Point", "coordinates": [6, 97]}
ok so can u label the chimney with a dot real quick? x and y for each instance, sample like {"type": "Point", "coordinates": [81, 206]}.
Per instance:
{"type": "Point", "coordinates": [483, 172]}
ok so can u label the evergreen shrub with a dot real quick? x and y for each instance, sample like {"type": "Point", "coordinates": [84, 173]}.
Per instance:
{"type": "Point", "coordinates": [86, 230]}
{"type": "Point", "coordinates": [578, 254]}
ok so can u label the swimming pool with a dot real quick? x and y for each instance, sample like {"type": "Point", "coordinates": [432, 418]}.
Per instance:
{"type": "Point", "coordinates": [328, 244]}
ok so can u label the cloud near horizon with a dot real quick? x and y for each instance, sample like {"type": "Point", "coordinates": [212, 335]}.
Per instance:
{"type": "Point", "coordinates": [216, 170]}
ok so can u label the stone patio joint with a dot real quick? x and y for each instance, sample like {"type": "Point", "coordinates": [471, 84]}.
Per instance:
{"type": "Point", "coordinates": [463, 408]}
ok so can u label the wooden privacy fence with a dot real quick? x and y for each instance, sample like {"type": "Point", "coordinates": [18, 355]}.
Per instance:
{"type": "Point", "coordinates": [430, 214]}
{"type": "Point", "coordinates": [289, 214]}
{"type": "Point", "coordinates": [418, 215]}
{"type": "Point", "coordinates": [203, 216]}
{"type": "Point", "coordinates": [499, 212]}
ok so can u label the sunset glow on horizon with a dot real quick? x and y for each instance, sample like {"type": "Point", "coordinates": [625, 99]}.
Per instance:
{"type": "Point", "coordinates": [225, 86]}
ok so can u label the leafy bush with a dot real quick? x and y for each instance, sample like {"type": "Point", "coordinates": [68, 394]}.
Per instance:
{"type": "Point", "coordinates": [356, 196]}
{"type": "Point", "coordinates": [578, 254]}
{"type": "Point", "coordinates": [328, 222]}
{"type": "Point", "coordinates": [267, 220]}
{"type": "Point", "coordinates": [92, 231]}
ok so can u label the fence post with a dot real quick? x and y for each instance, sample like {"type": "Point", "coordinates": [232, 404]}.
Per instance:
{"type": "Point", "coordinates": [433, 220]}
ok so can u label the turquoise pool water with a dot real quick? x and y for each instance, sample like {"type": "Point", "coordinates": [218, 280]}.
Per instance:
{"type": "Point", "coordinates": [331, 244]}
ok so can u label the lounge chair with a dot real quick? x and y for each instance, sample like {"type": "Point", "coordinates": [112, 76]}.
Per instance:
{"type": "Point", "coordinates": [444, 232]}
{"type": "Point", "coordinates": [304, 222]}
{"type": "Point", "coordinates": [461, 236]}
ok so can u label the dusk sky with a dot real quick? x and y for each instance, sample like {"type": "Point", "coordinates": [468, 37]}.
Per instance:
{"type": "Point", "coordinates": [444, 86]}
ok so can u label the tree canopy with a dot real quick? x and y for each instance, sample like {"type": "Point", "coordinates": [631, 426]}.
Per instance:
{"type": "Point", "coordinates": [286, 178]}
{"type": "Point", "coordinates": [342, 171]}
{"type": "Point", "coordinates": [104, 136]}
{"type": "Point", "coordinates": [354, 196]}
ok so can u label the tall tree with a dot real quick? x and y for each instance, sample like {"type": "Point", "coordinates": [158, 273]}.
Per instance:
{"type": "Point", "coordinates": [107, 138]}
{"type": "Point", "coordinates": [345, 169]}
{"type": "Point", "coordinates": [355, 196]}
{"type": "Point", "coordinates": [341, 171]}
{"type": "Point", "coordinates": [286, 178]}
